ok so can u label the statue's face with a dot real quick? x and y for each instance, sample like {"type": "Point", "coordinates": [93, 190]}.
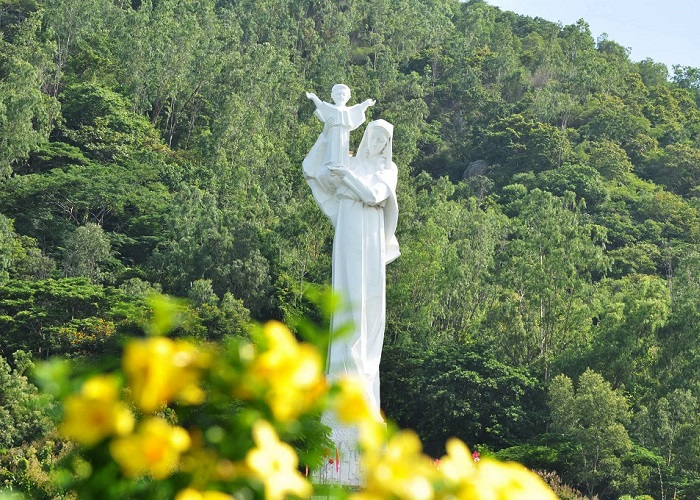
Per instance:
{"type": "Point", "coordinates": [378, 139]}
{"type": "Point", "coordinates": [340, 95]}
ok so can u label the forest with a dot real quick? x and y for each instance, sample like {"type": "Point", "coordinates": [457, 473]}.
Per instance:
{"type": "Point", "coordinates": [546, 306]}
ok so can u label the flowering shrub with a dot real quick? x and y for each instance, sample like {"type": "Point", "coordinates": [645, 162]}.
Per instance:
{"type": "Point", "coordinates": [187, 421]}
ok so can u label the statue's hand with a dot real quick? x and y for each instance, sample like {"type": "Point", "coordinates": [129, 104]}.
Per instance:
{"type": "Point", "coordinates": [313, 97]}
{"type": "Point", "coordinates": [337, 169]}
{"type": "Point", "coordinates": [369, 102]}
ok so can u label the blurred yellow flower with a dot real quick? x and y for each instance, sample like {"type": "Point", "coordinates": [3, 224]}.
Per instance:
{"type": "Point", "coordinates": [489, 479]}
{"type": "Point", "coordinates": [350, 404]}
{"type": "Point", "coordinates": [398, 470]}
{"type": "Point", "coordinates": [160, 370]}
{"type": "Point", "coordinates": [288, 375]}
{"type": "Point", "coordinates": [494, 480]}
{"type": "Point", "coordinates": [192, 494]}
{"type": "Point", "coordinates": [154, 449]}
{"type": "Point", "coordinates": [275, 464]}
{"type": "Point", "coordinates": [373, 435]}
{"type": "Point", "coordinates": [96, 412]}
{"type": "Point", "coordinates": [458, 465]}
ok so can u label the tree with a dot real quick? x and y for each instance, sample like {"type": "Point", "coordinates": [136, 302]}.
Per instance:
{"type": "Point", "coordinates": [584, 181]}
{"type": "Point", "coordinates": [652, 73]}
{"type": "Point", "coordinates": [7, 244]}
{"type": "Point", "coordinates": [676, 414]}
{"type": "Point", "coordinates": [462, 391]}
{"type": "Point", "coordinates": [688, 77]}
{"type": "Point", "coordinates": [670, 427]}
{"type": "Point", "coordinates": [439, 291]}
{"type": "Point", "coordinates": [26, 113]}
{"type": "Point", "coordinates": [202, 293]}
{"type": "Point", "coordinates": [25, 413]}
{"type": "Point", "coordinates": [517, 144]}
{"type": "Point", "coordinates": [609, 159]}
{"type": "Point", "coordinates": [210, 243]}
{"type": "Point", "coordinates": [625, 345]}
{"type": "Point", "coordinates": [609, 117]}
{"type": "Point", "coordinates": [65, 317]}
{"type": "Point", "coordinates": [69, 22]}
{"type": "Point", "coordinates": [592, 417]}
{"type": "Point", "coordinates": [19, 255]}
{"type": "Point", "coordinates": [304, 237]}
{"type": "Point", "coordinates": [30, 449]}
{"type": "Point", "coordinates": [171, 52]}
{"type": "Point", "coordinates": [680, 350]}
{"type": "Point", "coordinates": [679, 169]}
{"type": "Point", "coordinates": [85, 251]}
{"type": "Point", "coordinates": [103, 122]}
{"type": "Point", "coordinates": [673, 113]}
{"type": "Point", "coordinates": [548, 265]}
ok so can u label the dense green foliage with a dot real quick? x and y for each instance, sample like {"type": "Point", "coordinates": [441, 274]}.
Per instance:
{"type": "Point", "coordinates": [549, 193]}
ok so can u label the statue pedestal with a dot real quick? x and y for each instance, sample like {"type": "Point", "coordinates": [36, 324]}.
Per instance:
{"type": "Point", "coordinates": [342, 466]}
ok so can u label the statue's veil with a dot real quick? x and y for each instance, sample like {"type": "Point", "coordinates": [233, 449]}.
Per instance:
{"type": "Point", "coordinates": [391, 208]}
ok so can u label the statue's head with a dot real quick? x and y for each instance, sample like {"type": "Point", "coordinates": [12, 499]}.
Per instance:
{"type": "Point", "coordinates": [377, 141]}
{"type": "Point", "coordinates": [340, 93]}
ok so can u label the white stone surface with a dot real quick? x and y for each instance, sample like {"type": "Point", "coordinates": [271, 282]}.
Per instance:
{"type": "Point", "coordinates": [342, 465]}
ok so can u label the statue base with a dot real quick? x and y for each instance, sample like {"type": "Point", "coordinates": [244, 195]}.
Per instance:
{"type": "Point", "coordinates": [342, 466]}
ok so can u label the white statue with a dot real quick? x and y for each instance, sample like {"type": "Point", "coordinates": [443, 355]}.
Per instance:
{"type": "Point", "coordinates": [338, 120]}
{"type": "Point", "coordinates": [359, 197]}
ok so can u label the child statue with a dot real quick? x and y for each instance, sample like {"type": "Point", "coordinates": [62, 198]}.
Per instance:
{"type": "Point", "coordinates": [338, 120]}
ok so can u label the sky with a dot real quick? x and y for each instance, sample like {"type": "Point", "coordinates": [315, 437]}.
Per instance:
{"type": "Point", "coordinates": [667, 31]}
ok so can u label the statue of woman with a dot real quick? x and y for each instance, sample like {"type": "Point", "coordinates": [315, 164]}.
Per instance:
{"type": "Point", "coordinates": [360, 200]}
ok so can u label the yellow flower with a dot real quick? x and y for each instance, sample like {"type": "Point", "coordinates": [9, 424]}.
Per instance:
{"type": "Point", "coordinates": [458, 465]}
{"type": "Point", "coordinates": [373, 436]}
{"type": "Point", "coordinates": [275, 464]}
{"type": "Point", "coordinates": [489, 479]}
{"type": "Point", "coordinates": [96, 412]}
{"type": "Point", "coordinates": [504, 481]}
{"type": "Point", "coordinates": [192, 494]}
{"type": "Point", "coordinates": [288, 375]}
{"type": "Point", "coordinates": [161, 370]}
{"type": "Point", "coordinates": [398, 470]}
{"type": "Point", "coordinates": [154, 450]}
{"type": "Point", "coordinates": [350, 404]}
